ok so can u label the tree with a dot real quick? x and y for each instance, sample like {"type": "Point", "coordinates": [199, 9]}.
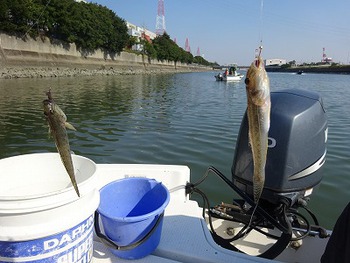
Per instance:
{"type": "Point", "coordinates": [131, 41]}
{"type": "Point", "coordinates": [149, 50]}
{"type": "Point", "coordinates": [89, 26]}
{"type": "Point", "coordinates": [168, 50]}
{"type": "Point", "coordinates": [15, 16]}
{"type": "Point", "coordinates": [200, 60]}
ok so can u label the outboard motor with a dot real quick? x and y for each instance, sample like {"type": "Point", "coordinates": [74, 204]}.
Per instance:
{"type": "Point", "coordinates": [296, 148]}
{"type": "Point", "coordinates": [296, 153]}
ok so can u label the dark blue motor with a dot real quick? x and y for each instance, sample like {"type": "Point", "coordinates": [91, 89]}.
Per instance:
{"type": "Point", "coordinates": [297, 147]}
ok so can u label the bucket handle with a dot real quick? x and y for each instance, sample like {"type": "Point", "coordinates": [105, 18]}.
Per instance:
{"type": "Point", "coordinates": [110, 243]}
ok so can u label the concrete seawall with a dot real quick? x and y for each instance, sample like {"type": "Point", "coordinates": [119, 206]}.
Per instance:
{"type": "Point", "coordinates": [43, 57]}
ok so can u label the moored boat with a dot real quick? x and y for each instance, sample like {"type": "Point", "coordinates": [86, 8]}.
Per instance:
{"type": "Point", "coordinates": [229, 75]}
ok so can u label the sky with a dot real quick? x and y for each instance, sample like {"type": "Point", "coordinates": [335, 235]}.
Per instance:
{"type": "Point", "coordinates": [229, 31]}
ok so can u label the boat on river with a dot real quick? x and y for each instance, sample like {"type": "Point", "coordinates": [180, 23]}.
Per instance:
{"type": "Point", "coordinates": [233, 231]}
{"type": "Point", "coordinates": [229, 75]}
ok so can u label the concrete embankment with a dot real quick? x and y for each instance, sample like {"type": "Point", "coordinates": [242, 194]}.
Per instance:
{"type": "Point", "coordinates": [42, 57]}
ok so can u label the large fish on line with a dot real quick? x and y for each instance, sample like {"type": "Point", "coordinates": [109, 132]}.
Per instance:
{"type": "Point", "coordinates": [58, 123]}
{"type": "Point", "coordinates": [258, 112]}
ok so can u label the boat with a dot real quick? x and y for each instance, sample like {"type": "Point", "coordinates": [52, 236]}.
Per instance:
{"type": "Point", "coordinates": [237, 230]}
{"type": "Point", "coordinates": [233, 77]}
{"type": "Point", "coordinates": [229, 75]}
{"type": "Point", "coordinates": [185, 234]}
{"type": "Point", "coordinates": [300, 72]}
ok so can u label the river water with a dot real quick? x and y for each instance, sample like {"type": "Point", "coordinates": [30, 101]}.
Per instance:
{"type": "Point", "coordinates": [186, 118]}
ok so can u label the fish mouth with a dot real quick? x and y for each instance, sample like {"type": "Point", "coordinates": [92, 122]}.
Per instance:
{"type": "Point", "coordinates": [257, 63]}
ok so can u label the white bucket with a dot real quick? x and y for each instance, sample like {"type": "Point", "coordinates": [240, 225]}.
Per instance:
{"type": "Point", "coordinates": [41, 217]}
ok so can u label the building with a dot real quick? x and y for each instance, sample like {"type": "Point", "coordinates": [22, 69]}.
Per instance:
{"type": "Point", "coordinates": [140, 33]}
{"type": "Point", "coordinates": [275, 62]}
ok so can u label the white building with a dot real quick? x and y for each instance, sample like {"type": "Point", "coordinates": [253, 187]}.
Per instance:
{"type": "Point", "coordinates": [139, 33]}
{"type": "Point", "coordinates": [277, 62]}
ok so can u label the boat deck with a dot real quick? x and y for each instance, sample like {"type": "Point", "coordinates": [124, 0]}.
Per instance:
{"type": "Point", "coordinates": [185, 236]}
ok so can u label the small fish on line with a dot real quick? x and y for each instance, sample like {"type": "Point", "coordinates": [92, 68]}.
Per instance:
{"type": "Point", "coordinates": [258, 112]}
{"type": "Point", "coordinates": [57, 121]}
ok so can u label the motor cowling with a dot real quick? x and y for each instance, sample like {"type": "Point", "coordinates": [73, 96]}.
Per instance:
{"type": "Point", "coordinates": [296, 151]}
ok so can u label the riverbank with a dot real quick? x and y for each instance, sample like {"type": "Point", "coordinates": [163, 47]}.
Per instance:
{"type": "Point", "coordinates": [330, 69]}
{"type": "Point", "coordinates": [14, 72]}
{"type": "Point", "coordinates": [42, 57]}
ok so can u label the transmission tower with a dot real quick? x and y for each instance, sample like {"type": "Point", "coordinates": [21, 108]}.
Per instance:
{"type": "Point", "coordinates": [198, 52]}
{"type": "Point", "coordinates": [187, 46]}
{"type": "Point", "coordinates": [160, 23]}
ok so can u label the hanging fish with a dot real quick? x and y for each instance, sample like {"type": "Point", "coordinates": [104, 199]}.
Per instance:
{"type": "Point", "coordinates": [57, 121]}
{"type": "Point", "coordinates": [258, 111]}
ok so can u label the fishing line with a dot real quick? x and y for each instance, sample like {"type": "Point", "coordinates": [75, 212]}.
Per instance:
{"type": "Point", "coordinates": [37, 20]}
{"type": "Point", "coordinates": [258, 51]}
{"type": "Point", "coordinates": [261, 21]}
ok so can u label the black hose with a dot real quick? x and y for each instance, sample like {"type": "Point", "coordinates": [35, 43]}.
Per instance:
{"type": "Point", "coordinates": [259, 210]}
{"type": "Point", "coordinates": [282, 223]}
{"type": "Point", "coordinates": [283, 241]}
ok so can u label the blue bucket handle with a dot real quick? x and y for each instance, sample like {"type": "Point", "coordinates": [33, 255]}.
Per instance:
{"type": "Point", "coordinates": [110, 243]}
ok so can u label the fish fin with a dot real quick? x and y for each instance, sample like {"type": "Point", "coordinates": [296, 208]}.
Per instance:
{"type": "Point", "coordinates": [60, 112]}
{"type": "Point", "coordinates": [69, 126]}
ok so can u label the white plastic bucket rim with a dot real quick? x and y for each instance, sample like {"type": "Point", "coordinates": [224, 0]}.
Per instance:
{"type": "Point", "coordinates": [41, 176]}
{"type": "Point", "coordinates": [54, 207]}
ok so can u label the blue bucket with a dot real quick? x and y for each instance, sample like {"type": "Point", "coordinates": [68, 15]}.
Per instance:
{"type": "Point", "coordinates": [131, 212]}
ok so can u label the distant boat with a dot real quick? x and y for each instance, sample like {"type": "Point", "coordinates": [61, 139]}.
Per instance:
{"type": "Point", "coordinates": [229, 75]}
{"type": "Point", "coordinates": [300, 72]}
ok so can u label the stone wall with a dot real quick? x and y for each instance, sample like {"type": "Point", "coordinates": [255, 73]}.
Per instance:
{"type": "Point", "coordinates": [15, 51]}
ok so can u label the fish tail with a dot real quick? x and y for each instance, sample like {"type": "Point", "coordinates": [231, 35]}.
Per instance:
{"type": "Point", "coordinates": [68, 164]}
{"type": "Point", "coordinates": [75, 186]}
{"type": "Point", "coordinates": [72, 177]}
{"type": "Point", "coordinates": [258, 185]}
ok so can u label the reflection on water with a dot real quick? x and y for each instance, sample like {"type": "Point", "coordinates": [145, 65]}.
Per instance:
{"type": "Point", "coordinates": [185, 119]}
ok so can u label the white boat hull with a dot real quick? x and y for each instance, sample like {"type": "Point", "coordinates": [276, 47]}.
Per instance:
{"type": "Point", "coordinates": [223, 77]}
{"type": "Point", "coordinates": [185, 235]}
{"type": "Point", "coordinates": [233, 78]}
